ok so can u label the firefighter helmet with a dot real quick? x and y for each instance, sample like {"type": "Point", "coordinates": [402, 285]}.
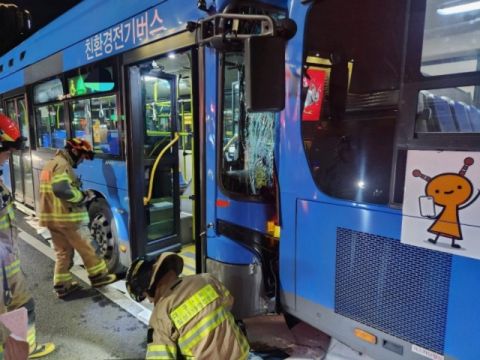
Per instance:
{"type": "Point", "coordinates": [10, 135]}
{"type": "Point", "coordinates": [165, 262]}
{"type": "Point", "coordinates": [82, 145]}
{"type": "Point", "coordinates": [138, 277]}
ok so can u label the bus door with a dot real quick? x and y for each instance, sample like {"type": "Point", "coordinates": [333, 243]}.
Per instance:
{"type": "Point", "coordinates": [22, 182]}
{"type": "Point", "coordinates": [160, 155]}
{"type": "Point", "coordinates": [241, 243]}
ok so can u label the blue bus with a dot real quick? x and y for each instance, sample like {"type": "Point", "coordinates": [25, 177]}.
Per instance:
{"type": "Point", "coordinates": [328, 140]}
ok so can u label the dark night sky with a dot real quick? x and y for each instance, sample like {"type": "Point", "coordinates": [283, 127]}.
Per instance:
{"type": "Point", "coordinates": [43, 11]}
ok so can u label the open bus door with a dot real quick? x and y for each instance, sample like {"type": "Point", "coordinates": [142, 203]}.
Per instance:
{"type": "Point", "coordinates": [153, 162]}
{"type": "Point", "coordinates": [240, 239]}
{"type": "Point", "coordinates": [22, 177]}
{"type": "Point", "coordinates": [161, 83]}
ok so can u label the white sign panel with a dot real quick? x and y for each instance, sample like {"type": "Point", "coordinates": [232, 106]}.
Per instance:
{"type": "Point", "coordinates": [427, 353]}
{"type": "Point", "coordinates": [441, 208]}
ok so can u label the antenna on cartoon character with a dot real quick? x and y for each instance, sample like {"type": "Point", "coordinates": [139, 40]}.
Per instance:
{"type": "Point", "coordinates": [467, 162]}
{"type": "Point", "coordinates": [418, 173]}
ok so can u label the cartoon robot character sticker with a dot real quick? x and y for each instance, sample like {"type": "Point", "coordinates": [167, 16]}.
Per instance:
{"type": "Point", "coordinates": [445, 211]}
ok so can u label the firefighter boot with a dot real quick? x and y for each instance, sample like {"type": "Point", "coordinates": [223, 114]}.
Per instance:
{"type": "Point", "coordinates": [100, 279]}
{"type": "Point", "coordinates": [41, 350]}
{"type": "Point", "coordinates": [62, 292]}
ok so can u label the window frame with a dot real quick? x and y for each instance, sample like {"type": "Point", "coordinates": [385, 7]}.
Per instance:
{"type": "Point", "coordinates": [219, 141]}
{"type": "Point", "coordinates": [114, 63]}
{"type": "Point", "coordinates": [413, 81]}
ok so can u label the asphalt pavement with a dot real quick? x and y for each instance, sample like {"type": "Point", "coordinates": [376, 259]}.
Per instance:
{"type": "Point", "coordinates": [86, 325]}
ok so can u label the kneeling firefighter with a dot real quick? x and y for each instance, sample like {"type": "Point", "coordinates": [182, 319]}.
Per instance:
{"type": "Point", "coordinates": [14, 293]}
{"type": "Point", "coordinates": [191, 318]}
{"type": "Point", "coordinates": [63, 211]}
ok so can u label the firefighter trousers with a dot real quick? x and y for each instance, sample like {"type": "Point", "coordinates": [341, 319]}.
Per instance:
{"type": "Point", "coordinates": [65, 241]}
{"type": "Point", "coordinates": [20, 298]}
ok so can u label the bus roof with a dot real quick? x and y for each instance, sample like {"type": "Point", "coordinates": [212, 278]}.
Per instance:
{"type": "Point", "coordinates": [86, 19]}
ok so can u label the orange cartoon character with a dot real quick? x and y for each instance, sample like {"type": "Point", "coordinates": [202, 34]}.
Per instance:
{"type": "Point", "coordinates": [450, 191]}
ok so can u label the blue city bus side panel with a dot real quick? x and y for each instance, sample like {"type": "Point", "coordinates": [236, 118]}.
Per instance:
{"type": "Point", "coordinates": [317, 225]}
{"type": "Point", "coordinates": [79, 27]}
{"type": "Point", "coordinates": [228, 251]}
{"type": "Point", "coordinates": [14, 81]}
{"type": "Point", "coordinates": [250, 215]}
{"type": "Point", "coordinates": [289, 150]}
{"type": "Point", "coordinates": [148, 25]}
{"type": "Point", "coordinates": [104, 171]}
{"type": "Point", "coordinates": [288, 255]}
{"type": "Point", "coordinates": [463, 320]}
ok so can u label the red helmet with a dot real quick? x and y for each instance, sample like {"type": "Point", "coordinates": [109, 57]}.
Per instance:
{"type": "Point", "coordinates": [10, 135]}
{"type": "Point", "coordinates": [82, 145]}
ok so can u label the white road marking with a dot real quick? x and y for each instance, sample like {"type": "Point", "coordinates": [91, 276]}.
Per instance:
{"type": "Point", "coordinates": [111, 292]}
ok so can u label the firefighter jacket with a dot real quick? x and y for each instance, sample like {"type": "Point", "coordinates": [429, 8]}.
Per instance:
{"type": "Point", "coordinates": [62, 202]}
{"type": "Point", "coordinates": [9, 256]}
{"type": "Point", "coordinates": [192, 320]}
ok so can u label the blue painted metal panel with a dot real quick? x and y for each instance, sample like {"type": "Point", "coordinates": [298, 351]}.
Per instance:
{"type": "Point", "coordinates": [14, 81]}
{"type": "Point", "coordinates": [228, 251]}
{"type": "Point", "coordinates": [76, 25]}
{"type": "Point", "coordinates": [250, 215]}
{"type": "Point", "coordinates": [317, 225]}
{"type": "Point", "coordinates": [104, 171]}
{"type": "Point", "coordinates": [389, 285]}
{"type": "Point", "coordinates": [109, 177]}
{"type": "Point", "coordinates": [463, 320]}
{"type": "Point", "coordinates": [219, 247]}
{"type": "Point", "coordinates": [294, 169]}
{"type": "Point", "coordinates": [147, 26]}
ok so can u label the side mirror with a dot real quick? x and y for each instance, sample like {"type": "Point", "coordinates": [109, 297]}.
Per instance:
{"type": "Point", "coordinates": [265, 73]}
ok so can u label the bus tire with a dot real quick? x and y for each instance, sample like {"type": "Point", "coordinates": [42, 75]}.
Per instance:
{"type": "Point", "coordinates": [103, 231]}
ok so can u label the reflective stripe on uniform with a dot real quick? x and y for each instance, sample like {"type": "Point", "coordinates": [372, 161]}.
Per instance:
{"type": "Point", "coordinates": [62, 277]}
{"type": "Point", "coordinates": [73, 217]}
{"type": "Point", "coordinates": [63, 183]}
{"type": "Point", "coordinates": [97, 268]}
{"type": "Point", "coordinates": [241, 339]}
{"type": "Point", "coordinates": [46, 188]}
{"type": "Point", "coordinates": [32, 337]}
{"type": "Point", "coordinates": [192, 306]}
{"type": "Point", "coordinates": [1, 352]}
{"type": "Point", "coordinates": [5, 220]}
{"type": "Point", "coordinates": [202, 329]}
{"type": "Point", "coordinates": [161, 352]}
{"type": "Point", "coordinates": [11, 269]}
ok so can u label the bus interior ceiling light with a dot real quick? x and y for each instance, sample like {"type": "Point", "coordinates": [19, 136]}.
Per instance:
{"type": "Point", "coordinates": [459, 8]}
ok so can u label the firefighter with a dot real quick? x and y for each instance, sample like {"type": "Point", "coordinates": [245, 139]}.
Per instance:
{"type": "Point", "coordinates": [191, 318]}
{"type": "Point", "coordinates": [14, 293]}
{"type": "Point", "coordinates": [63, 211]}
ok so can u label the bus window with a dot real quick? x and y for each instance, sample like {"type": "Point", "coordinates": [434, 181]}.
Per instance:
{"type": "Point", "coordinates": [449, 45]}
{"type": "Point", "coordinates": [350, 98]}
{"type": "Point", "coordinates": [51, 130]}
{"type": "Point", "coordinates": [450, 110]}
{"type": "Point", "coordinates": [48, 90]}
{"type": "Point", "coordinates": [247, 139]}
{"type": "Point", "coordinates": [95, 120]}
{"type": "Point", "coordinates": [100, 79]}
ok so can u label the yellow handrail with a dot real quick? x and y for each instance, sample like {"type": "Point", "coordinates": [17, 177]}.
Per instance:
{"type": "Point", "coordinates": [235, 137]}
{"type": "Point", "coordinates": [152, 175]}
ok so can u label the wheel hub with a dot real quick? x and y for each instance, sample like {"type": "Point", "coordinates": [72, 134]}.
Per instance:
{"type": "Point", "coordinates": [102, 233]}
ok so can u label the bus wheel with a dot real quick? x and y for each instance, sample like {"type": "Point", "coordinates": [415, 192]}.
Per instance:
{"type": "Point", "coordinates": [103, 231]}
